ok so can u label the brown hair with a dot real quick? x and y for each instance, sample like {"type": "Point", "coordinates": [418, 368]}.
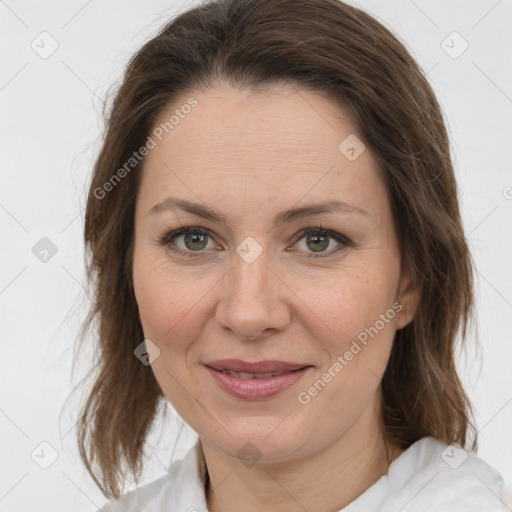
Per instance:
{"type": "Point", "coordinates": [329, 47]}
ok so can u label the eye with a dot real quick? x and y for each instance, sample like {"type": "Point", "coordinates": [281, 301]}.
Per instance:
{"type": "Point", "coordinates": [192, 242]}
{"type": "Point", "coordinates": [319, 241]}
{"type": "Point", "coordinates": [187, 241]}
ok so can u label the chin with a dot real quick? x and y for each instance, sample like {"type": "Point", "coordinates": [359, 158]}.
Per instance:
{"type": "Point", "coordinates": [264, 441]}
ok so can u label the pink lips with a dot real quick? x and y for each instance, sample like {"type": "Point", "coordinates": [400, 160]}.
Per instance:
{"type": "Point", "coordinates": [259, 386]}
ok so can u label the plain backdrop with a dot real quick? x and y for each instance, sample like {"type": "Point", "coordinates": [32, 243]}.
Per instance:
{"type": "Point", "coordinates": [59, 59]}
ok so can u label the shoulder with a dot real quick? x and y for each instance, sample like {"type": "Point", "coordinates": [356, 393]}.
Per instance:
{"type": "Point", "coordinates": [434, 476]}
{"type": "Point", "coordinates": [181, 488]}
{"type": "Point", "coordinates": [146, 498]}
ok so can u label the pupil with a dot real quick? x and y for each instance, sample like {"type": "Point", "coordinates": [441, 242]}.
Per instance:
{"type": "Point", "coordinates": [318, 239]}
{"type": "Point", "coordinates": [194, 239]}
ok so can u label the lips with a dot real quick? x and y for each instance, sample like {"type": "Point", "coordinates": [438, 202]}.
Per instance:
{"type": "Point", "coordinates": [255, 381]}
{"type": "Point", "coordinates": [245, 375]}
{"type": "Point", "coordinates": [258, 370]}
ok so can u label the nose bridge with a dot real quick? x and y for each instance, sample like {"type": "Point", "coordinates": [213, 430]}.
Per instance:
{"type": "Point", "coordinates": [249, 277]}
{"type": "Point", "coordinates": [250, 301]}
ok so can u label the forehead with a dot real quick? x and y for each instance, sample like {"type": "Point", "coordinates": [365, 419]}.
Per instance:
{"type": "Point", "coordinates": [277, 138]}
{"type": "Point", "coordinates": [277, 120]}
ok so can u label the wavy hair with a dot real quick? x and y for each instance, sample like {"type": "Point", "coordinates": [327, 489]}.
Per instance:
{"type": "Point", "coordinates": [325, 46]}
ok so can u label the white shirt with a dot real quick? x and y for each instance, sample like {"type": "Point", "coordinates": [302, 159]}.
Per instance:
{"type": "Point", "coordinates": [427, 477]}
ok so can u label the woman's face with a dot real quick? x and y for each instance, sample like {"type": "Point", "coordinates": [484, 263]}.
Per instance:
{"type": "Point", "coordinates": [251, 173]}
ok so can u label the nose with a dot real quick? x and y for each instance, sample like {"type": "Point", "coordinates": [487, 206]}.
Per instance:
{"type": "Point", "coordinates": [253, 300]}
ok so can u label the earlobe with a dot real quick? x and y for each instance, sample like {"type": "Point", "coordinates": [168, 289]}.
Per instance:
{"type": "Point", "coordinates": [406, 317]}
{"type": "Point", "coordinates": [408, 297]}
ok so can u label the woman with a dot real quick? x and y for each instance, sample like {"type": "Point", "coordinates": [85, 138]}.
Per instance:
{"type": "Point", "coordinates": [276, 250]}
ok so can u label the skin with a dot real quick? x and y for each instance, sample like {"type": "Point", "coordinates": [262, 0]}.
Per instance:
{"type": "Point", "coordinates": [251, 155]}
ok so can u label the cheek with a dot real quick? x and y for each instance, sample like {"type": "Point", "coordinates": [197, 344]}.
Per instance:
{"type": "Point", "coordinates": [352, 302]}
{"type": "Point", "coordinates": [360, 325]}
{"type": "Point", "coordinates": [171, 306]}
{"type": "Point", "coordinates": [360, 318]}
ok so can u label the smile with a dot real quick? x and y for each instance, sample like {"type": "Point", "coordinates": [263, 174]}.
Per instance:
{"type": "Point", "coordinates": [244, 375]}
{"type": "Point", "coordinates": [255, 385]}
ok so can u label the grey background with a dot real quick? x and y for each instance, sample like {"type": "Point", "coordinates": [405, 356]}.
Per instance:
{"type": "Point", "coordinates": [50, 128]}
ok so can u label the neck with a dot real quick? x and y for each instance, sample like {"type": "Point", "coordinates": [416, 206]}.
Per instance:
{"type": "Point", "coordinates": [324, 481]}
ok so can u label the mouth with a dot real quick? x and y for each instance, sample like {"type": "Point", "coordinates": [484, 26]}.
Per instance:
{"type": "Point", "coordinates": [255, 381]}
{"type": "Point", "coordinates": [257, 368]}
{"type": "Point", "coordinates": [245, 375]}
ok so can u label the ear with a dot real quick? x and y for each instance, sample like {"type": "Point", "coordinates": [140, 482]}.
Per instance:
{"type": "Point", "coordinates": [408, 296]}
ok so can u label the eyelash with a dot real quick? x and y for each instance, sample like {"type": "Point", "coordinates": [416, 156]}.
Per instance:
{"type": "Point", "coordinates": [344, 242]}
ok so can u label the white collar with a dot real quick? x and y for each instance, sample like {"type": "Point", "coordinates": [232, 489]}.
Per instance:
{"type": "Point", "coordinates": [429, 476]}
{"type": "Point", "coordinates": [426, 475]}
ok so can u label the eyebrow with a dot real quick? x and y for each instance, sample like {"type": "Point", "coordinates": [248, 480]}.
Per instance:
{"type": "Point", "coordinates": [286, 216]}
